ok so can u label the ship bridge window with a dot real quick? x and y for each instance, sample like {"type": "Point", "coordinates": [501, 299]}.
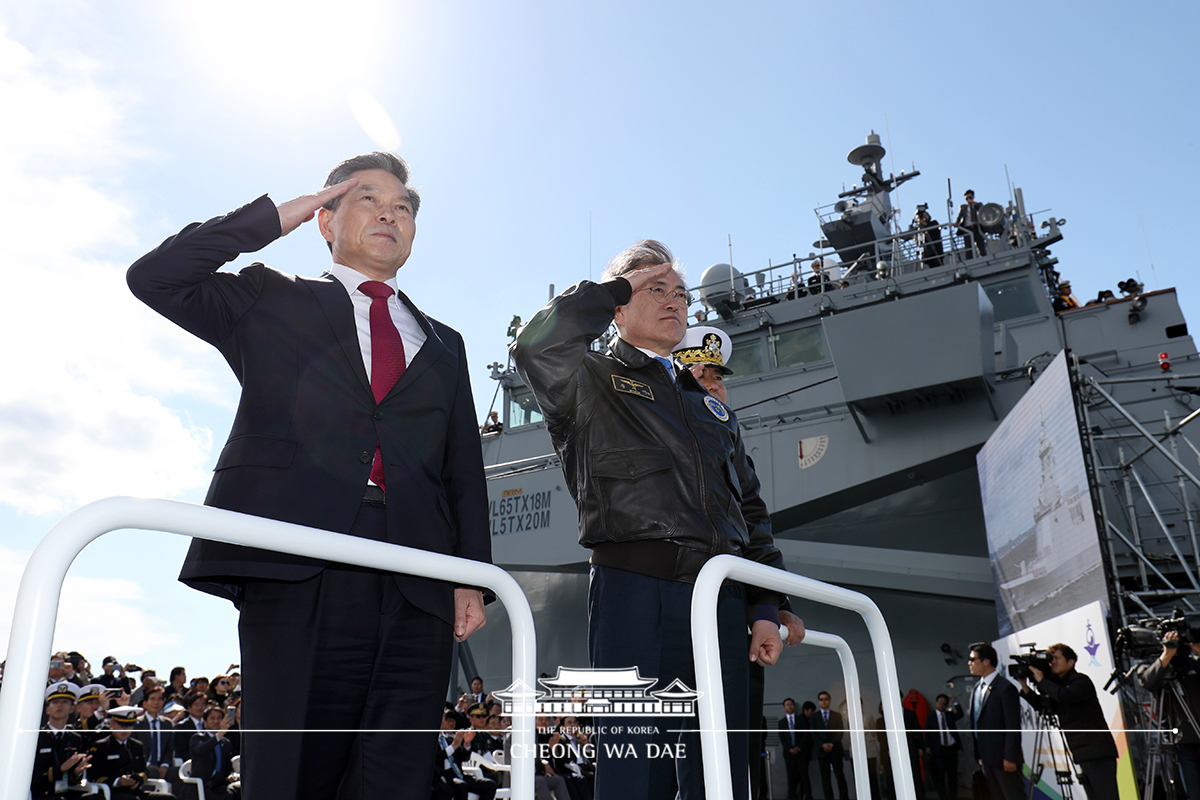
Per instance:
{"type": "Point", "coordinates": [747, 358]}
{"type": "Point", "coordinates": [1012, 299]}
{"type": "Point", "coordinates": [800, 346]}
{"type": "Point", "coordinates": [523, 409]}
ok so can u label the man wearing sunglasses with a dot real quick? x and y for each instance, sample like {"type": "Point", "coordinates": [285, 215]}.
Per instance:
{"type": "Point", "coordinates": [659, 472]}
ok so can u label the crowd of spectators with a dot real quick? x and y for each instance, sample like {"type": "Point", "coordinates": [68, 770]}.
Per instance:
{"type": "Point", "coordinates": [140, 737]}
{"type": "Point", "coordinates": [476, 736]}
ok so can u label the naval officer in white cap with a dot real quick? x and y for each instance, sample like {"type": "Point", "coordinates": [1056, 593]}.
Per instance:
{"type": "Point", "coordinates": [705, 351]}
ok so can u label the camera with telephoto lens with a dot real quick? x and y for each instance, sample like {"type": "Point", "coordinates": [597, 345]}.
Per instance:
{"type": "Point", "coordinates": [1038, 659]}
{"type": "Point", "coordinates": [1147, 637]}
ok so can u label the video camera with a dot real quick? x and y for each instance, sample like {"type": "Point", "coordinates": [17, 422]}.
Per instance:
{"type": "Point", "coordinates": [1146, 638]}
{"type": "Point", "coordinates": [1039, 659]}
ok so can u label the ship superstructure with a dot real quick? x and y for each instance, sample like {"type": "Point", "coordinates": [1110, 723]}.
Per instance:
{"type": "Point", "coordinates": [867, 376]}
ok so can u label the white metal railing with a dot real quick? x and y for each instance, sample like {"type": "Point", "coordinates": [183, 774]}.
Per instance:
{"type": "Point", "coordinates": [36, 609]}
{"type": "Point", "coordinates": [714, 745]}
{"type": "Point", "coordinates": [858, 737]}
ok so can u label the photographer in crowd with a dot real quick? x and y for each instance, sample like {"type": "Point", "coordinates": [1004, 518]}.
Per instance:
{"type": "Point", "coordinates": [1181, 664]}
{"type": "Point", "coordinates": [1072, 696]}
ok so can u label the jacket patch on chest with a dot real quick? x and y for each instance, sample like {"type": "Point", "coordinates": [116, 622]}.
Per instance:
{"type": "Point", "coordinates": [630, 386]}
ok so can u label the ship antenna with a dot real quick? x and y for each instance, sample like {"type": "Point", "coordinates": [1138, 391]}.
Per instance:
{"type": "Point", "coordinates": [887, 128]}
{"type": "Point", "coordinates": [950, 209]}
{"type": "Point", "coordinates": [1148, 253]}
{"type": "Point", "coordinates": [1011, 199]}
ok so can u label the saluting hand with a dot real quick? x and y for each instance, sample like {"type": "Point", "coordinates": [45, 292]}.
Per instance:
{"type": "Point", "coordinates": [641, 278]}
{"type": "Point", "coordinates": [295, 213]}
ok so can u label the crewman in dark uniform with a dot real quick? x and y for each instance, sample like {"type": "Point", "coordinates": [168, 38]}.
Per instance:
{"type": "Point", "coordinates": [967, 222]}
{"type": "Point", "coordinates": [90, 724]}
{"type": "Point", "coordinates": [119, 760]}
{"type": "Point", "coordinates": [60, 759]}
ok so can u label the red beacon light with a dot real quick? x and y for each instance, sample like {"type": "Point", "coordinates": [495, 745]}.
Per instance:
{"type": "Point", "coordinates": [1164, 362]}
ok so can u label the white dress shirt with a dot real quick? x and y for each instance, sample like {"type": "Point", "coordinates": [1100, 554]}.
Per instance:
{"type": "Point", "coordinates": [410, 330]}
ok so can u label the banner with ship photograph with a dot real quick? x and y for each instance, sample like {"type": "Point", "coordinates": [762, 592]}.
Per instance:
{"type": "Point", "coordinates": [1041, 528]}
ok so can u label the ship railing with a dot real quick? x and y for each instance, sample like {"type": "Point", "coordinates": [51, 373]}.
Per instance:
{"type": "Point", "coordinates": [38, 597]}
{"type": "Point", "coordinates": [888, 257]}
{"type": "Point", "coordinates": [714, 743]}
{"type": "Point", "coordinates": [534, 464]}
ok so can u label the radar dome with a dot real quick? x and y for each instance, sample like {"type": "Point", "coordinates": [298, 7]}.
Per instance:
{"type": "Point", "coordinates": [715, 285]}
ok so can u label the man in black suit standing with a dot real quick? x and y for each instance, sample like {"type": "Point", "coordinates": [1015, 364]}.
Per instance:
{"type": "Point", "coordinates": [942, 745]}
{"type": "Point", "coordinates": [995, 714]}
{"type": "Point", "coordinates": [828, 732]}
{"type": "Point", "coordinates": [968, 225]}
{"type": "Point", "coordinates": [790, 733]}
{"type": "Point", "coordinates": [355, 417]}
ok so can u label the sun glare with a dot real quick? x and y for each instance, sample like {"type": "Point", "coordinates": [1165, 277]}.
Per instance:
{"type": "Point", "coordinates": [299, 49]}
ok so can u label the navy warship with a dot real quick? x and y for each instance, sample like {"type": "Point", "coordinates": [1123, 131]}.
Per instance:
{"type": "Point", "coordinates": [868, 375]}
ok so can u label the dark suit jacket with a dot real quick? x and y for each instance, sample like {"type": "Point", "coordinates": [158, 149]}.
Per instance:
{"type": "Point", "coordinates": [184, 730]}
{"type": "Point", "coordinates": [801, 732]}
{"type": "Point", "coordinates": [202, 750]}
{"type": "Point", "coordinates": [141, 732]}
{"type": "Point", "coordinates": [999, 710]}
{"type": "Point", "coordinates": [823, 733]}
{"type": "Point", "coordinates": [933, 736]}
{"type": "Point", "coordinates": [304, 436]}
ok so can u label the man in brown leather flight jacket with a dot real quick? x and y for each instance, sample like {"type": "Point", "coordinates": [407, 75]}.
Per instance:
{"type": "Point", "coordinates": [659, 473]}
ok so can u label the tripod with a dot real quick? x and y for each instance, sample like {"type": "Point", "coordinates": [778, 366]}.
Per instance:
{"type": "Point", "coordinates": [1047, 726]}
{"type": "Point", "coordinates": [1161, 750]}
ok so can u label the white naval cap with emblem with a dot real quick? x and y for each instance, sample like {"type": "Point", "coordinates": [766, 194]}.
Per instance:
{"type": "Point", "coordinates": [64, 689]}
{"type": "Point", "coordinates": [705, 344]}
{"type": "Point", "coordinates": [125, 715]}
{"type": "Point", "coordinates": [92, 691]}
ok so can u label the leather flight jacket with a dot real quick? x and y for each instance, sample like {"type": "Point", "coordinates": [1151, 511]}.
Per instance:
{"type": "Point", "coordinates": [656, 466]}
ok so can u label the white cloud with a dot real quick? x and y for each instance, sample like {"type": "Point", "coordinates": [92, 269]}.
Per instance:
{"type": "Point", "coordinates": [87, 368]}
{"type": "Point", "coordinates": [133, 619]}
{"type": "Point", "coordinates": [106, 600]}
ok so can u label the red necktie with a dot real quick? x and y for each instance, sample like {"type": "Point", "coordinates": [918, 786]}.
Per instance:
{"type": "Point", "coordinates": [387, 355]}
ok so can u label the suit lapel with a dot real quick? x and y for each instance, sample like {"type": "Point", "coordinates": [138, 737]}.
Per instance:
{"type": "Point", "coordinates": [339, 312]}
{"type": "Point", "coordinates": [433, 349]}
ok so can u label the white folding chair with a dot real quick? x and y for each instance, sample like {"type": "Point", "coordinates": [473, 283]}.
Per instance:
{"type": "Point", "coordinates": [185, 775]}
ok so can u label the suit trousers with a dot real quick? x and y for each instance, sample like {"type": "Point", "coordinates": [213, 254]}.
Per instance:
{"type": "Point", "coordinates": [341, 653]}
{"type": "Point", "coordinates": [1004, 785]}
{"type": "Point", "coordinates": [831, 765]}
{"type": "Point", "coordinates": [638, 621]}
{"type": "Point", "coordinates": [945, 771]}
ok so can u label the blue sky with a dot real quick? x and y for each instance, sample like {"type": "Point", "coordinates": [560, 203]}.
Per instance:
{"type": "Point", "coordinates": [545, 138]}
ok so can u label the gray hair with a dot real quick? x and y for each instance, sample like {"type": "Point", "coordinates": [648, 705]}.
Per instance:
{"type": "Point", "coordinates": [377, 160]}
{"type": "Point", "coordinates": [645, 253]}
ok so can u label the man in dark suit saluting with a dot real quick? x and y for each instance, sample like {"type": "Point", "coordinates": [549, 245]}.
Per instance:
{"type": "Point", "coordinates": [356, 417]}
{"type": "Point", "coordinates": [995, 714]}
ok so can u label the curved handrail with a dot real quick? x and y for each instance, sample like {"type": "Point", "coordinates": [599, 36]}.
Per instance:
{"type": "Point", "coordinates": [714, 746]}
{"type": "Point", "coordinates": [41, 586]}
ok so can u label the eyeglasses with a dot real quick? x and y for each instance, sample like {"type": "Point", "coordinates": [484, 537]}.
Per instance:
{"type": "Point", "coordinates": [480, 716]}
{"type": "Point", "coordinates": [662, 296]}
{"type": "Point", "coordinates": [972, 659]}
